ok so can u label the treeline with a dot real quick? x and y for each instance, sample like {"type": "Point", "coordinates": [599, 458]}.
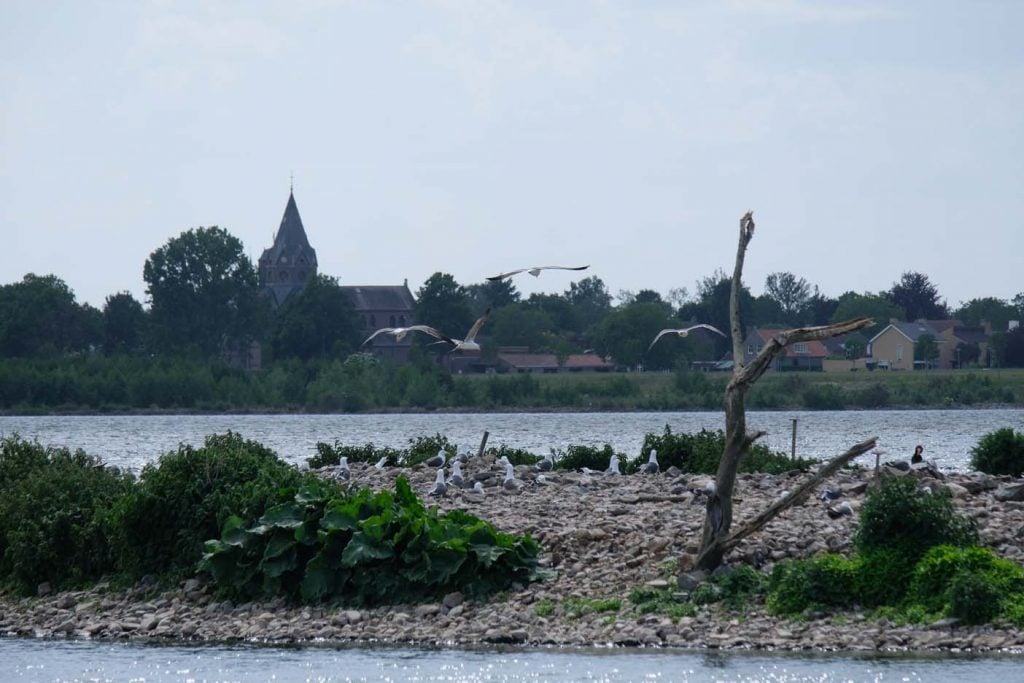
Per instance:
{"type": "Point", "coordinates": [362, 382]}
{"type": "Point", "coordinates": [206, 312]}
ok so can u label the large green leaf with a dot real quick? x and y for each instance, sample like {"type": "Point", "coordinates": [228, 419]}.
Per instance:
{"type": "Point", "coordinates": [486, 554]}
{"type": "Point", "coordinates": [361, 549]}
{"type": "Point", "coordinates": [284, 516]}
{"type": "Point", "coordinates": [279, 564]}
{"type": "Point", "coordinates": [234, 533]}
{"type": "Point", "coordinates": [444, 562]}
{"type": "Point", "coordinates": [318, 580]}
{"type": "Point", "coordinates": [341, 516]}
{"type": "Point", "coordinates": [312, 491]}
{"type": "Point", "coordinates": [280, 542]}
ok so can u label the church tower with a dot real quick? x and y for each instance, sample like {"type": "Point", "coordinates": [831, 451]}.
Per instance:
{"type": "Point", "coordinates": [290, 262]}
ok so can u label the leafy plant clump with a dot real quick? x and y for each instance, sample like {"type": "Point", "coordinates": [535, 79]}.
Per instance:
{"type": "Point", "coordinates": [700, 452]}
{"type": "Point", "coordinates": [577, 457]}
{"type": "Point", "coordinates": [54, 515]}
{"type": "Point", "coordinates": [186, 496]}
{"type": "Point", "coordinates": [898, 516]}
{"type": "Point", "coordinates": [823, 581]}
{"type": "Point", "coordinates": [366, 548]}
{"type": "Point", "coordinates": [331, 454]}
{"type": "Point", "coordinates": [1000, 452]}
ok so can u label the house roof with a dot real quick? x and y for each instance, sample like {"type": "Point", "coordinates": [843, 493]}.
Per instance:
{"type": "Point", "coordinates": [971, 335]}
{"type": "Point", "coordinates": [380, 297]}
{"type": "Point", "coordinates": [527, 361]}
{"type": "Point", "coordinates": [836, 346]}
{"type": "Point", "coordinates": [911, 331]}
{"type": "Point", "coordinates": [815, 349]}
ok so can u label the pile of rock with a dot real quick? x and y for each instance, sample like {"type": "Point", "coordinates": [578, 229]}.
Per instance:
{"type": "Point", "coordinates": [604, 536]}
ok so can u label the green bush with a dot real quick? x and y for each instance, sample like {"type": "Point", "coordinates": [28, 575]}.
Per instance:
{"type": "Point", "coordinates": [54, 515]}
{"type": "Point", "coordinates": [740, 586]}
{"type": "Point", "coordinates": [950, 579]}
{"type": "Point", "coordinates": [699, 453]}
{"type": "Point", "coordinates": [822, 581]}
{"type": "Point", "coordinates": [1000, 452]}
{"type": "Point", "coordinates": [327, 454]}
{"type": "Point", "coordinates": [184, 499]}
{"type": "Point", "coordinates": [576, 457]}
{"type": "Point", "coordinates": [899, 517]}
{"type": "Point", "coordinates": [883, 575]}
{"type": "Point", "coordinates": [366, 548]}
{"type": "Point", "coordinates": [516, 456]}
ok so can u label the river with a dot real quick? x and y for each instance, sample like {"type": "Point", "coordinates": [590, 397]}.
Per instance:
{"type": "Point", "coordinates": [133, 440]}
{"type": "Point", "coordinates": [83, 661]}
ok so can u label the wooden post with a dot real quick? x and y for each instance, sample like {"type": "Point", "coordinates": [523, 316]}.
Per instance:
{"type": "Point", "coordinates": [483, 444]}
{"type": "Point", "coordinates": [793, 451]}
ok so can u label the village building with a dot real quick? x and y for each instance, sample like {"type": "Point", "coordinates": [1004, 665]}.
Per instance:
{"type": "Point", "coordinates": [801, 356]}
{"type": "Point", "coordinates": [286, 266]}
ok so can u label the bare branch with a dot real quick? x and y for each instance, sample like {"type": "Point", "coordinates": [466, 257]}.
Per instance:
{"type": "Point", "coordinates": [798, 493]}
{"type": "Point", "coordinates": [746, 234]}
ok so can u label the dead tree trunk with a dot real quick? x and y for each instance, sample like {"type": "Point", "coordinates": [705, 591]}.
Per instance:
{"type": "Point", "coordinates": [718, 520]}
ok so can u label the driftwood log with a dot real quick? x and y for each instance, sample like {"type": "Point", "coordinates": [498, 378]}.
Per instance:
{"type": "Point", "coordinates": [718, 520]}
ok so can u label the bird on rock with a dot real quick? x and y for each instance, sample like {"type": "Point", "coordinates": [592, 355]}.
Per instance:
{"type": "Point", "coordinates": [831, 493]}
{"type": "Point", "coordinates": [510, 484]}
{"type": "Point", "coordinates": [844, 509]}
{"type": "Point", "coordinates": [440, 488]}
{"type": "Point", "coordinates": [380, 463]}
{"type": "Point", "coordinates": [546, 464]}
{"type": "Point", "coordinates": [651, 467]}
{"type": "Point", "coordinates": [456, 478]}
{"type": "Point", "coordinates": [613, 465]}
{"type": "Point", "coordinates": [438, 460]}
{"type": "Point", "coordinates": [343, 470]}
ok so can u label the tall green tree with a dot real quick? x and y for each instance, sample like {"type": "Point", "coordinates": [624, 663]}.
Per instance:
{"type": "Point", "coordinates": [492, 294]}
{"type": "Point", "coordinates": [791, 293]}
{"type": "Point", "coordinates": [39, 316]}
{"type": "Point", "coordinates": [626, 333]}
{"type": "Point", "coordinates": [519, 325]}
{"type": "Point", "coordinates": [918, 297]}
{"type": "Point", "coordinates": [590, 302]}
{"type": "Point", "coordinates": [820, 308]}
{"type": "Point", "coordinates": [124, 324]}
{"type": "Point", "coordinates": [712, 303]}
{"type": "Point", "coordinates": [203, 292]}
{"type": "Point", "coordinates": [318, 321]}
{"type": "Point", "coordinates": [926, 348]}
{"type": "Point", "coordinates": [998, 312]}
{"type": "Point", "coordinates": [444, 304]}
{"type": "Point", "coordinates": [875, 306]}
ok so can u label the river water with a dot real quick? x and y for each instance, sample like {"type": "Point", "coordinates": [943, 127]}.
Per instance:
{"type": "Point", "coordinates": [82, 661]}
{"type": "Point", "coordinates": [133, 440]}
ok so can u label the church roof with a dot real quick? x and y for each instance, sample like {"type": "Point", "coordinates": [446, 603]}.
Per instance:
{"type": "Point", "coordinates": [380, 297]}
{"type": "Point", "coordinates": [291, 246]}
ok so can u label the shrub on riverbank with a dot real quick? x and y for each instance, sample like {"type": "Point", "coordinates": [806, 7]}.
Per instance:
{"type": "Point", "coordinates": [918, 560]}
{"type": "Point", "coordinates": [54, 515]}
{"type": "Point", "coordinates": [366, 548]}
{"type": "Point", "coordinates": [185, 497]}
{"type": "Point", "coordinates": [699, 453]}
{"type": "Point", "coordinates": [1000, 452]}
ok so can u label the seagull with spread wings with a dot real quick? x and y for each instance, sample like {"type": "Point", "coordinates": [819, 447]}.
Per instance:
{"type": "Point", "coordinates": [399, 332]}
{"type": "Point", "coordinates": [684, 332]}
{"type": "Point", "coordinates": [534, 271]}
{"type": "Point", "coordinates": [467, 344]}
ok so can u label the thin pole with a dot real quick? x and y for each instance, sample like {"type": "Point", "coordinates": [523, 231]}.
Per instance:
{"type": "Point", "coordinates": [793, 451]}
{"type": "Point", "coordinates": [483, 444]}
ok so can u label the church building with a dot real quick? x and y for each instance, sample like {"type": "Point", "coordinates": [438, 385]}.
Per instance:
{"type": "Point", "coordinates": [286, 266]}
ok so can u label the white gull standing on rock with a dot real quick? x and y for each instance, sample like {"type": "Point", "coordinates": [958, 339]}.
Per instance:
{"type": "Point", "coordinates": [456, 479]}
{"type": "Point", "coordinates": [613, 465]}
{"type": "Point", "coordinates": [380, 463]}
{"type": "Point", "coordinates": [546, 464]}
{"type": "Point", "coordinates": [511, 484]}
{"type": "Point", "coordinates": [438, 460]}
{"type": "Point", "coordinates": [440, 488]}
{"type": "Point", "coordinates": [651, 467]}
{"type": "Point", "coordinates": [343, 470]}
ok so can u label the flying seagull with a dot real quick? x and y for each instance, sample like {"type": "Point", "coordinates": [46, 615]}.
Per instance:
{"type": "Point", "coordinates": [534, 271]}
{"type": "Point", "coordinates": [467, 344]}
{"type": "Point", "coordinates": [684, 332]}
{"type": "Point", "coordinates": [399, 332]}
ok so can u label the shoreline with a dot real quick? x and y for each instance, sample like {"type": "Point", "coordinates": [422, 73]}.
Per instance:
{"type": "Point", "coordinates": [604, 537]}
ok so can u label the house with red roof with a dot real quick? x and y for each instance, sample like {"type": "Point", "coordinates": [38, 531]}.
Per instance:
{"type": "Point", "coordinates": [800, 356]}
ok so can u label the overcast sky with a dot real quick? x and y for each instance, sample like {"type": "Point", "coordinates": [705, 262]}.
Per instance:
{"type": "Point", "coordinates": [869, 139]}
